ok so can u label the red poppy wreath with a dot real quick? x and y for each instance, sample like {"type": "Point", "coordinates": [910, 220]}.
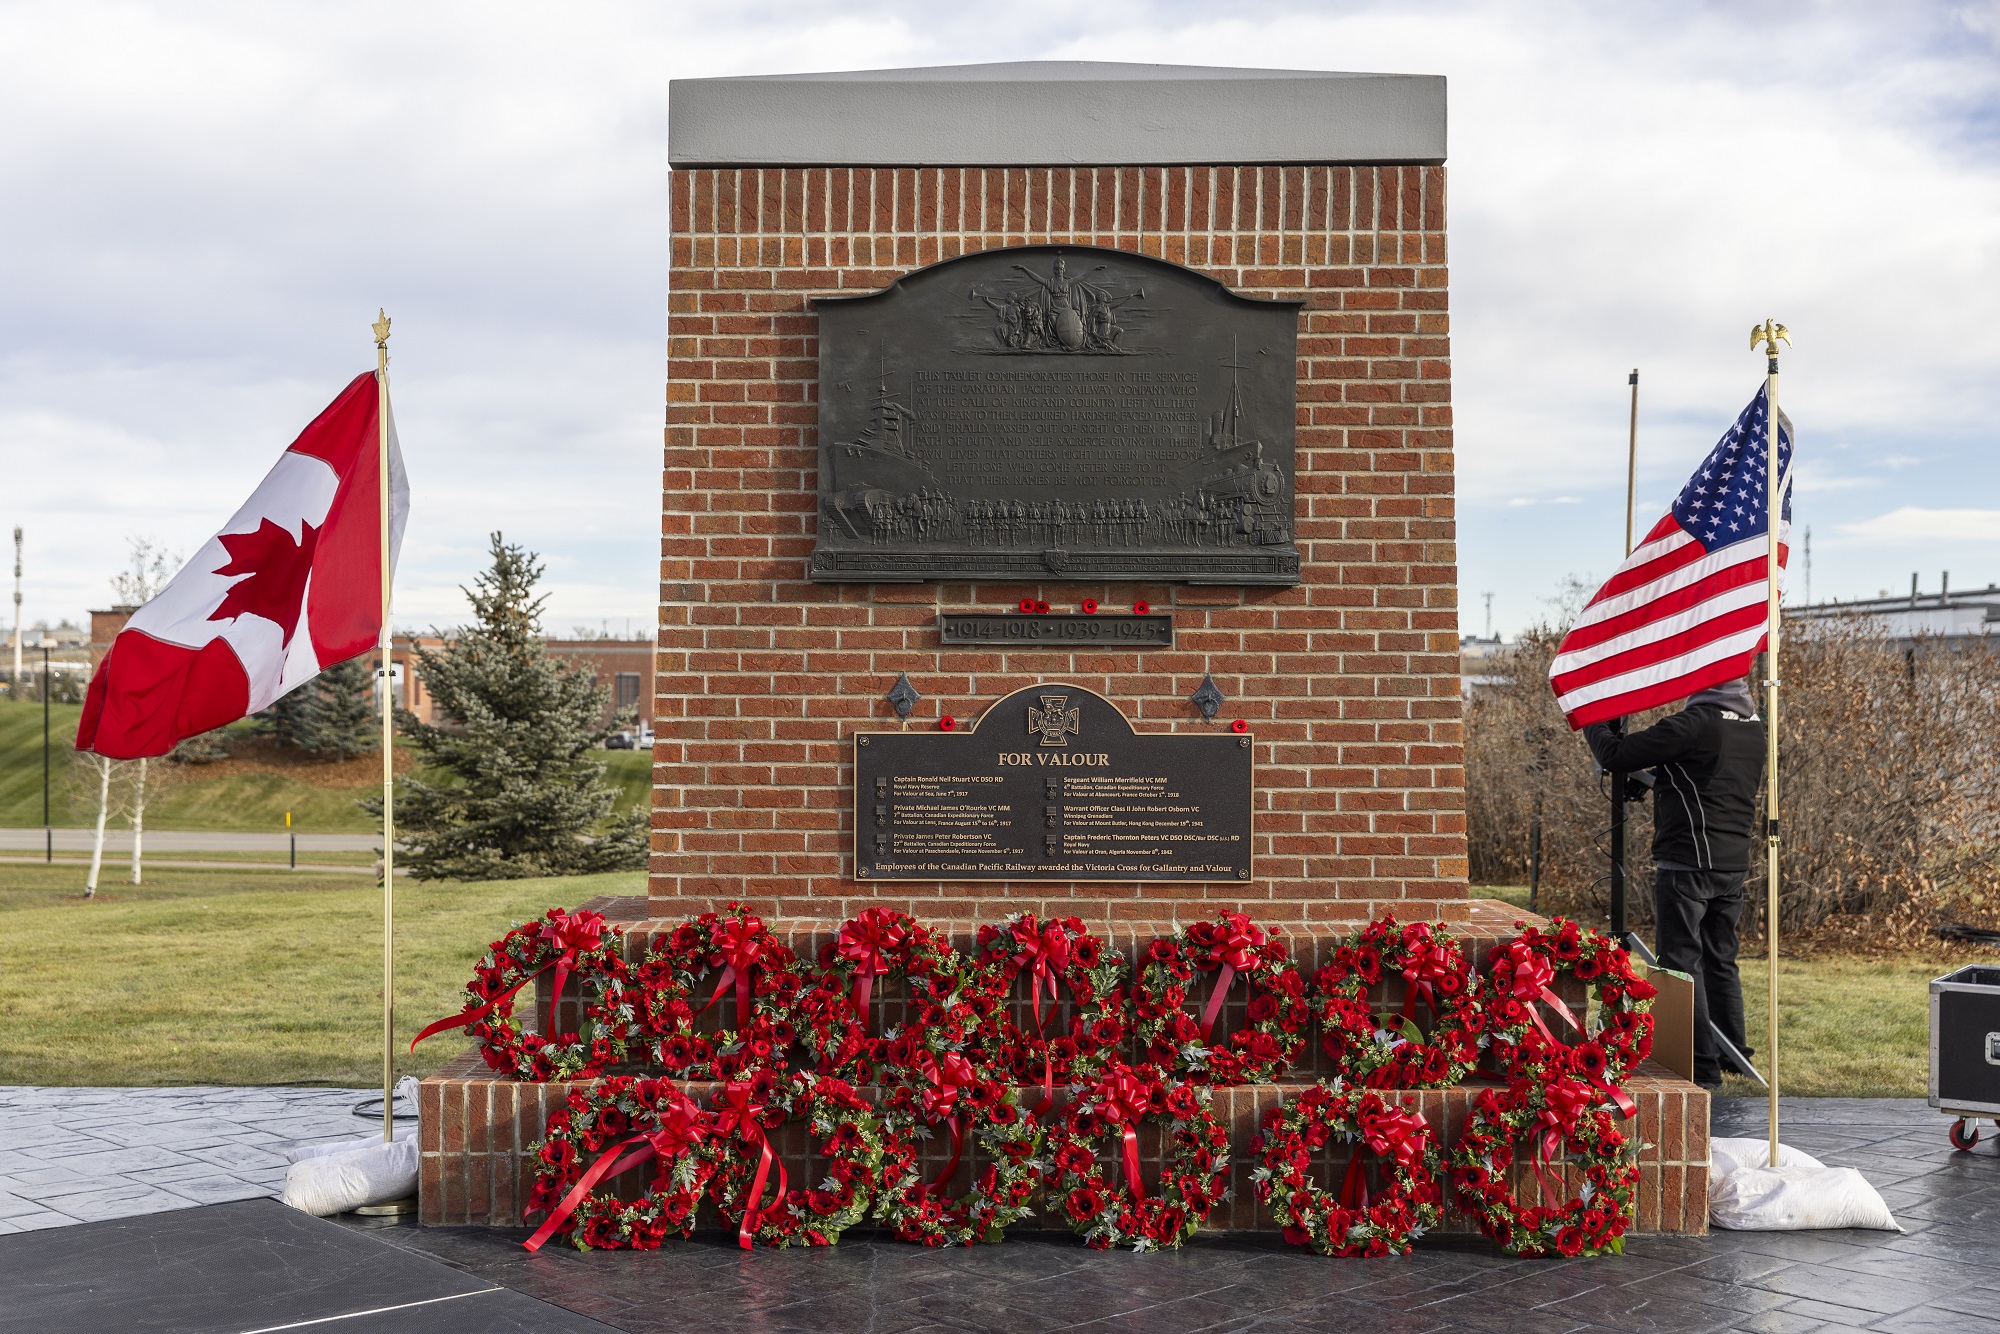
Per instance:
{"type": "Point", "coordinates": [833, 1015]}
{"type": "Point", "coordinates": [1278, 1010]}
{"type": "Point", "coordinates": [564, 945]}
{"type": "Point", "coordinates": [1562, 1116]}
{"type": "Point", "coordinates": [1356, 1220]}
{"type": "Point", "coordinates": [751, 1187]}
{"type": "Point", "coordinates": [1056, 957]}
{"type": "Point", "coordinates": [757, 980]}
{"type": "Point", "coordinates": [1108, 1113]}
{"type": "Point", "coordinates": [607, 1128]}
{"type": "Point", "coordinates": [950, 1097]}
{"type": "Point", "coordinates": [1521, 977]}
{"type": "Point", "coordinates": [1389, 1050]}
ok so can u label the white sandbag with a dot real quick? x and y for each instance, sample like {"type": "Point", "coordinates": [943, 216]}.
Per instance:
{"type": "Point", "coordinates": [333, 1183]}
{"type": "Point", "coordinates": [1799, 1194]}
{"type": "Point", "coordinates": [305, 1151]}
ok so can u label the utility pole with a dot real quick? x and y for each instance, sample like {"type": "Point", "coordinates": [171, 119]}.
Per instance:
{"type": "Point", "coordinates": [14, 690]}
{"type": "Point", "coordinates": [1489, 615]}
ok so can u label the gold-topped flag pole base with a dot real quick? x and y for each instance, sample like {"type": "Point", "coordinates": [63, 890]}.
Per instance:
{"type": "Point", "coordinates": [1770, 333]}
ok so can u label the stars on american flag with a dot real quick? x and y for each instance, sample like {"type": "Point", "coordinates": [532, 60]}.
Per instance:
{"type": "Point", "coordinates": [1724, 502]}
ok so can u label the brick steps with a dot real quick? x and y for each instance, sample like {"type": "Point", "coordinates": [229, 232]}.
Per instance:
{"type": "Point", "coordinates": [477, 1129]}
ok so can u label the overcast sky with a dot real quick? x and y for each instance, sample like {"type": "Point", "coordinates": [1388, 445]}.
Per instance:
{"type": "Point", "coordinates": [202, 205]}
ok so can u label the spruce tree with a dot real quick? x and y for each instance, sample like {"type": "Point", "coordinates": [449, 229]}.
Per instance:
{"type": "Point", "coordinates": [332, 715]}
{"type": "Point", "coordinates": [509, 788]}
{"type": "Point", "coordinates": [340, 718]}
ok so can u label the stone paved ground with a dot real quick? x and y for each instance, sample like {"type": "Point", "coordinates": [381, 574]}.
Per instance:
{"type": "Point", "coordinates": [1942, 1275]}
{"type": "Point", "coordinates": [81, 1155]}
{"type": "Point", "coordinates": [70, 1155]}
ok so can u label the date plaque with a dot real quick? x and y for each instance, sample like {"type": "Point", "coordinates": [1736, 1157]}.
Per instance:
{"type": "Point", "coordinates": [1107, 630]}
{"type": "Point", "coordinates": [1052, 783]}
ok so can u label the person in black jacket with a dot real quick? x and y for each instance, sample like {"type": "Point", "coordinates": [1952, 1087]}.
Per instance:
{"type": "Point", "coordinates": [1707, 762]}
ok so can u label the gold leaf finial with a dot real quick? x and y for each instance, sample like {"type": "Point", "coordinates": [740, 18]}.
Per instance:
{"type": "Point", "coordinates": [381, 327]}
{"type": "Point", "coordinates": [1770, 333]}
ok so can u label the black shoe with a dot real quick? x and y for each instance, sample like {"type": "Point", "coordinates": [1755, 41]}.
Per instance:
{"type": "Point", "coordinates": [1713, 1083]}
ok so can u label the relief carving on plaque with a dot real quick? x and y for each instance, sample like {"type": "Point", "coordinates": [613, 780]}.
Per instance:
{"type": "Point", "coordinates": [1139, 424]}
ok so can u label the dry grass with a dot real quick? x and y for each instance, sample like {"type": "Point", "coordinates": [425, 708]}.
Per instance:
{"type": "Point", "coordinates": [1890, 784]}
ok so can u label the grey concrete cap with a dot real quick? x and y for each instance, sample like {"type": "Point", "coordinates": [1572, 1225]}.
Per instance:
{"type": "Point", "coordinates": [1055, 112]}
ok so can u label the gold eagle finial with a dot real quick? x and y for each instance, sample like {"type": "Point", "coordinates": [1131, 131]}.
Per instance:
{"type": "Point", "coordinates": [381, 327]}
{"type": "Point", "coordinates": [1770, 333]}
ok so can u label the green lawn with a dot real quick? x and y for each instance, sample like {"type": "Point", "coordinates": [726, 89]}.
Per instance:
{"type": "Point", "coordinates": [1847, 1027]}
{"type": "Point", "coordinates": [194, 800]}
{"type": "Point", "coordinates": [239, 977]}
{"type": "Point", "coordinates": [271, 976]}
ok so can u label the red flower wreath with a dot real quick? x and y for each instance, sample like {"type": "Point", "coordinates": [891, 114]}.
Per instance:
{"type": "Point", "coordinates": [603, 1130]}
{"type": "Point", "coordinates": [833, 1013]}
{"type": "Point", "coordinates": [1354, 1222]}
{"type": "Point", "coordinates": [564, 945]}
{"type": "Point", "coordinates": [1389, 1051]}
{"type": "Point", "coordinates": [952, 1094]}
{"type": "Point", "coordinates": [1111, 1111]}
{"type": "Point", "coordinates": [1175, 1040]}
{"type": "Point", "coordinates": [755, 973]}
{"type": "Point", "coordinates": [1055, 955]}
{"type": "Point", "coordinates": [1520, 975]}
{"type": "Point", "coordinates": [845, 1130]}
{"type": "Point", "coordinates": [1557, 1116]}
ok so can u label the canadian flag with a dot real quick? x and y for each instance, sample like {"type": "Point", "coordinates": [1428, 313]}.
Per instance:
{"type": "Point", "coordinates": [289, 587]}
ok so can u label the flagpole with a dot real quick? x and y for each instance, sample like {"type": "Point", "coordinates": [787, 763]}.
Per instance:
{"type": "Point", "coordinates": [1632, 460]}
{"type": "Point", "coordinates": [381, 328]}
{"type": "Point", "coordinates": [1769, 333]}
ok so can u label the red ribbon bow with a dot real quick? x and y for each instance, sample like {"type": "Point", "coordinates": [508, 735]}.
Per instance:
{"type": "Point", "coordinates": [1563, 1101]}
{"type": "Point", "coordinates": [1426, 964]}
{"type": "Point", "coordinates": [738, 949]}
{"type": "Point", "coordinates": [1529, 982]}
{"type": "Point", "coordinates": [681, 1128]}
{"type": "Point", "coordinates": [738, 1113]}
{"type": "Point", "coordinates": [1121, 1101]}
{"type": "Point", "coordinates": [949, 1079]}
{"type": "Point", "coordinates": [1048, 953]}
{"type": "Point", "coordinates": [570, 935]}
{"type": "Point", "coordinates": [1235, 952]}
{"type": "Point", "coordinates": [865, 942]}
{"type": "Point", "coordinates": [1397, 1135]}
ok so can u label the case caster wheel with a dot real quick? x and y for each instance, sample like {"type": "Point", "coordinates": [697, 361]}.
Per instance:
{"type": "Point", "coordinates": [1964, 1134]}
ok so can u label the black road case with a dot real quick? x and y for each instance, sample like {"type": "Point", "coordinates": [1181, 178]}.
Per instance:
{"type": "Point", "coordinates": [1965, 1049]}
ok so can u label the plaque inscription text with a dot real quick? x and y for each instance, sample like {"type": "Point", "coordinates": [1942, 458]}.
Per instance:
{"type": "Point", "coordinates": [1052, 784]}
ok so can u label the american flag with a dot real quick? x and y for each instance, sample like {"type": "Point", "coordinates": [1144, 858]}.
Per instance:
{"type": "Point", "coordinates": [1687, 608]}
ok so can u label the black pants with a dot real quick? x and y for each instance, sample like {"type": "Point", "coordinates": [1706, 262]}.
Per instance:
{"type": "Point", "coordinates": [1695, 913]}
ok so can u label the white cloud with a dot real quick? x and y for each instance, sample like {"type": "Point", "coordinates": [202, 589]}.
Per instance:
{"type": "Point", "coordinates": [1910, 524]}
{"type": "Point", "coordinates": [203, 204]}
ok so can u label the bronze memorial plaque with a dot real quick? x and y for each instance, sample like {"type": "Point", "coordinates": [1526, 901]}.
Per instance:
{"type": "Point", "coordinates": [1064, 412]}
{"type": "Point", "coordinates": [1052, 783]}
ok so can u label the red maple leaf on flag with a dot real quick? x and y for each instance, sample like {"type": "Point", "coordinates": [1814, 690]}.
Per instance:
{"type": "Point", "coordinates": [277, 568]}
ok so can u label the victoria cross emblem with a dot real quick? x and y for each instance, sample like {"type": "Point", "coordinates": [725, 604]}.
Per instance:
{"type": "Point", "coordinates": [1054, 723]}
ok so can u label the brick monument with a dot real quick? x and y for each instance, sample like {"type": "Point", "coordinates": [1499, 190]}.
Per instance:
{"type": "Point", "coordinates": [1335, 660]}
{"type": "Point", "coordinates": [1324, 189]}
